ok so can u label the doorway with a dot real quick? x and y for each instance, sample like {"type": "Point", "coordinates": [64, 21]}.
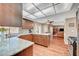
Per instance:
{"type": "Point", "coordinates": [58, 32]}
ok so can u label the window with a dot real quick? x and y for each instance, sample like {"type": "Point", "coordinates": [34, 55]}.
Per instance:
{"type": "Point", "coordinates": [7, 33]}
{"type": "Point", "coordinates": [10, 30]}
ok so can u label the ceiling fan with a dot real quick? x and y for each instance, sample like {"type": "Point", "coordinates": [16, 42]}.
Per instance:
{"type": "Point", "coordinates": [49, 22]}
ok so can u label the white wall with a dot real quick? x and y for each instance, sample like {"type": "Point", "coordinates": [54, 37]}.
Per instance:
{"type": "Point", "coordinates": [41, 28]}
{"type": "Point", "coordinates": [37, 28]}
{"type": "Point", "coordinates": [70, 31]}
{"type": "Point", "coordinates": [45, 28]}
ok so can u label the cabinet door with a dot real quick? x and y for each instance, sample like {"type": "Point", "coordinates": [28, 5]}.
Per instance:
{"type": "Point", "coordinates": [35, 38]}
{"type": "Point", "coordinates": [26, 24]}
{"type": "Point", "coordinates": [26, 37]}
{"type": "Point", "coordinates": [11, 14]}
{"type": "Point", "coordinates": [41, 40]}
{"type": "Point", "coordinates": [29, 37]}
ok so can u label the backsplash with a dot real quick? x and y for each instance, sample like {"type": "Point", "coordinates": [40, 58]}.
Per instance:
{"type": "Point", "coordinates": [24, 31]}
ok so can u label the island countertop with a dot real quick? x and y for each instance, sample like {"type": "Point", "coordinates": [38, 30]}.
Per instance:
{"type": "Point", "coordinates": [36, 34]}
{"type": "Point", "coordinates": [14, 46]}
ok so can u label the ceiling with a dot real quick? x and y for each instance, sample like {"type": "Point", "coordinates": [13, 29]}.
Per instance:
{"type": "Point", "coordinates": [35, 11]}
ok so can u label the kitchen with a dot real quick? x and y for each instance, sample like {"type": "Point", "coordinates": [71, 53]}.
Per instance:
{"type": "Point", "coordinates": [37, 29]}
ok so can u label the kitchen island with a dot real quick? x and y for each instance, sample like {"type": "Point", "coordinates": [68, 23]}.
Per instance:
{"type": "Point", "coordinates": [38, 38]}
{"type": "Point", "coordinates": [16, 46]}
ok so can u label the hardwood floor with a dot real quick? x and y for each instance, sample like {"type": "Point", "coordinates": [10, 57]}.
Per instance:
{"type": "Point", "coordinates": [56, 48]}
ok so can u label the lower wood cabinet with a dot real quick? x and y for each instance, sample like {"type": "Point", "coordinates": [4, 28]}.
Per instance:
{"type": "Point", "coordinates": [26, 37]}
{"type": "Point", "coordinates": [43, 40]}
{"type": "Point", "coordinates": [26, 52]}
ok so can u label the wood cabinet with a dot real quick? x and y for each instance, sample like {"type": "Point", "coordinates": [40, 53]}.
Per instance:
{"type": "Point", "coordinates": [26, 37]}
{"type": "Point", "coordinates": [26, 52]}
{"type": "Point", "coordinates": [11, 14]}
{"type": "Point", "coordinates": [27, 24]}
{"type": "Point", "coordinates": [42, 39]}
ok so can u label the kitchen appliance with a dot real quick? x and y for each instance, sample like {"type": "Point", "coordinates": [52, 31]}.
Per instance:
{"type": "Point", "coordinates": [72, 43]}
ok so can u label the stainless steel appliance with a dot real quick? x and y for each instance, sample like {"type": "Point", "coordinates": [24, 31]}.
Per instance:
{"type": "Point", "coordinates": [72, 43]}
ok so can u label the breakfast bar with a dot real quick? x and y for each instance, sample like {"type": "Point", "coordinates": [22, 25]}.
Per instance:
{"type": "Point", "coordinates": [16, 46]}
{"type": "Point", "coordinates": [38, 38]}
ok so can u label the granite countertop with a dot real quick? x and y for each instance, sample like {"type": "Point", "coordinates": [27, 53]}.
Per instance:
{"type": "Point", "coordinates": [14, 46]}
{"type": "Point", "coordinates": [42, 33]}
{"type": "Point", "coordinates": [36, 34]}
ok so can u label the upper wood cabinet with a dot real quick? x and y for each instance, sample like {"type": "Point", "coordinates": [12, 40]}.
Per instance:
{"type": "Point", "coordinates": [27, 24]}
{"type": "Point", "coordinates": [11, 14]}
